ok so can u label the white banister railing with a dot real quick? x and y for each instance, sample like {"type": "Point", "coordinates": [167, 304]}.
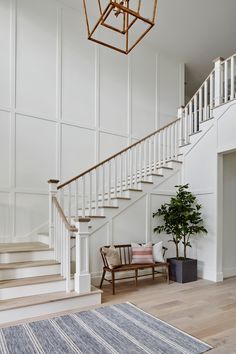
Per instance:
{"type": "Point", "coordinates": [218, 88]}
{"type": "Point", "coordinates": [60, 232]}
{"type": "Point", "coordinates": [86, 193]}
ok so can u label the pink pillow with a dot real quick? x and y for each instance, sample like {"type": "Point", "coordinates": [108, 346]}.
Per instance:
{"type": "Point", "coordinates": [142, 254]}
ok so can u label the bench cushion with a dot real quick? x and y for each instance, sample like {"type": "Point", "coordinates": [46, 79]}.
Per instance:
{"type": "Point", "coordinates": [112, 256]}
{"type": "Point", "coordinates": [142, 253]}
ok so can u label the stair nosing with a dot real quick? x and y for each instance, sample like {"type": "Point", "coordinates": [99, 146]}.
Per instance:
{"type": "Point", "coordinates": [35, 280]}
{"type": "Point", "coordinates": [27, 264]}
{"type": "Point", "coordinates": [25, 251]}
{"type": "Point", "coordinates": [41, 299]}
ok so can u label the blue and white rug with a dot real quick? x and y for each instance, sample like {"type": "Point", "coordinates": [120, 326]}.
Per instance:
{"type": "Point", "coordinates": [122, 329]}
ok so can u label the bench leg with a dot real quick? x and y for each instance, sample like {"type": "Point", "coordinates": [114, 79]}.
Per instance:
{"type": "Point", "coordinates": [136, 277]}
{"type": "Point", "coordinates": [168, 274]}
{"type": "Point", "coordinates": [103, 276]}
{"type": "Point", "coordinates": [153, 273]}
{"type": "Point", "coordinates": [113, 283]}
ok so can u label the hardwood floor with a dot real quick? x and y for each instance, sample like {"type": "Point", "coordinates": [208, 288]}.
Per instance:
{"type": "Point", "coordinates": [204, 309]}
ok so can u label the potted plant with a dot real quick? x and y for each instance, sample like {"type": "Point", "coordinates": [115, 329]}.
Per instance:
{"type": "Point", "coordinates": [182, 219]}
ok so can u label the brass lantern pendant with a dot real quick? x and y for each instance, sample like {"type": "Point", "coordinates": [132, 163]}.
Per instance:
{"type": "Point", "coordinates": [119, 24]}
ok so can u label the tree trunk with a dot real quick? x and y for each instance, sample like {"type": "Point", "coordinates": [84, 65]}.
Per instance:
{"type": "Point", "coordinates": [185, 248]}
{"type": "Point", "coordinates": [177, 250]}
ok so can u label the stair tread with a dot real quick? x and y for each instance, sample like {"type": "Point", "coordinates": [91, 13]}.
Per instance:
{"type": "Point", "coordinates": [27, 264]}
{"type": "Point", "coordinates": [29, 281]}
{"type": "Point", "coordinates": [133, 190]}
{"type": "Point", "coordinates": [155, 174]}
{"type": "Point", "coordinates": [23, 247]}
{"type": "Point", "coordinates": [165, 167]}
{"type": "Point", "coordinates": [42, 299]}
{"type": "Point", "coordinates": [147, 182]}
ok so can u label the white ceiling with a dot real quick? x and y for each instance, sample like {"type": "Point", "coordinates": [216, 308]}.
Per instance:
{"type": "Point", "coordinates": [195, 32]}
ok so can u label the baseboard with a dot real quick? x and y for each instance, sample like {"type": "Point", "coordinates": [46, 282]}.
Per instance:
{"type": "Point", "coordinates": [229, 272]}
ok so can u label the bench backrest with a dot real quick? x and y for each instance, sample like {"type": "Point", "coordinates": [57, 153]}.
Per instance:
{"type": "Point", "coordinates": [125, 252]}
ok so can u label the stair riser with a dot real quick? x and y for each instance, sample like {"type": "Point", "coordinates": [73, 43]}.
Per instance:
{"type": "Point", "coordinates": [26, 256]}
{"type": "Point", "coordinates": [6, 274]}
{"type": "Point", "coordinates": [33, 289]}
{"type": "Point", "coordinates": [44, 238]}
{"type": "Point", "coordinates": [52, 307]}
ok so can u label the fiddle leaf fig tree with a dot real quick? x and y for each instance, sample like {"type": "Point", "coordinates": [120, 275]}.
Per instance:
{"type": "Point", "coordinates": [181, 218]}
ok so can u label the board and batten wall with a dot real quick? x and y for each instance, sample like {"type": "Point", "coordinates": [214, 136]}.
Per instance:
{"type": "Point", "coordinates": [66, 103]}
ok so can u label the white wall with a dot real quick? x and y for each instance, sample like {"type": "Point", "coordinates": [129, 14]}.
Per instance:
{"type": "Point", "coordinates": [229, 214]}
{"type": "Point", "coordinates": [65, 103]}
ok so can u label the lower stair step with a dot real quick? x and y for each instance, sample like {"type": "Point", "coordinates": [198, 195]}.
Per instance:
{"type": "Point", "coordinates": [28, 269]}
{"type": "Point", "coordinates": [15, 288]}
{"type": "Point", "coordinates": [40, 305]}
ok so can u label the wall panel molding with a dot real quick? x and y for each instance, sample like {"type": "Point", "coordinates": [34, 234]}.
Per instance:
{"type": "Point", "coordinates": [69, 124]}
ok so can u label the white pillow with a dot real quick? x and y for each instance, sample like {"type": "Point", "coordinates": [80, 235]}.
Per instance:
{"type": "Point", "coordinates": [158, 252]}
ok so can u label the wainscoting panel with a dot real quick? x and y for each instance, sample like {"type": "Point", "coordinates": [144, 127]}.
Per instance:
{"type": "Point", "coordinates": [66, 103]}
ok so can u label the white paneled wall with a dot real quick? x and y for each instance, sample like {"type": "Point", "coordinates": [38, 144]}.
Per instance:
{"type": "Point", "coordinates": [65, 104]}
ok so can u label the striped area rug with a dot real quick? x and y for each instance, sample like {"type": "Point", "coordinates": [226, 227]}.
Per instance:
{"type": "Point", "coordinates": [122, 329]}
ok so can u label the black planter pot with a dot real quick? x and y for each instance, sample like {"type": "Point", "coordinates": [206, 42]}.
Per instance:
{"type": "Point", "coordinates": [183, 270]}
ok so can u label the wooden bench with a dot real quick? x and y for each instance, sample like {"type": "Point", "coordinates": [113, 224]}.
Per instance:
{"type": "Point", "coordinates": [125, 253]}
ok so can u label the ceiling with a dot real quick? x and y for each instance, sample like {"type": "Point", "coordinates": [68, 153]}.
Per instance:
{"type": "Point", "coordinates": [195, 32]}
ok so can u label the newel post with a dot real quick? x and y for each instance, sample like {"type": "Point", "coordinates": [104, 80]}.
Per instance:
{"type": "Point", "coordinates": [218, 81]}
{"type": "Point", "coordinates": [181, 139]}
{"type": "Point", "coordinates": [82, 276]}
{"type": "Point", "coordinates": [52, 193]}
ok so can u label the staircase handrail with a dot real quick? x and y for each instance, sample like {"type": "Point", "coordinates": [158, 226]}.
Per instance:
{"type": "Point", "coordinates": [69, 227]}
{"type": "Point", "coordinates": [116, 154]}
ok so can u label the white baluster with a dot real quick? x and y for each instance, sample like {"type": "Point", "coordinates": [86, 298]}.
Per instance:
{"type": "Point", "coordinates": [200, 105]}
{"type": "Point", "coordinates": [232, 74]}
{"type": "Point", "coordinates": [195, 118]}
{"type": "Point", "coordinates": [211, 93]}
{"type": "Point", "coordinates": [69, 203]}
{"type": "Point", "coordinates": [109, 182]}
{"type": "Point", "coordinates": [176, 145]}
{"type": "Point", "coordinates": [68, 262]}
{"type": "Point", "coordinates": [121, 175]}
{"type": "Point", "coordinates": [206, 100]}
{"type": "Point", "coordinates": [164, 145]}
{"type": "Point", "coordinates": [126, 170]}
{"type": "Point", "coordinates": [191, 125]}
{"type": "Point", "coordinates": [154, 152]}
{"type": "Point", "coordinates": [131, 167]}
{"type": "Point", "coordinates": [159, 149]}
{"type": "Point", "coordinates": [115, 177]}
{"type": "Point", "coordinates": [182, 124]}
{"type": "Point", "coordinates": [76, 198]}
{"type": "Point", "coordinates": [186, 131]}
{"type": "Point", "coordinates": [150, 154]}
{"type": "Point", "coordinates": [135, 167]}
{"type": "Point", "coordinates": [103, 183]}
{"type": "Point", "coordinates": [145, 159]}
{"type": "Point", "coordinates": [90, 192]}
{"type": "Point", "coordinates": [83, 196]}
{"type": "Point", "coordinates": [226, 81]}
{"type": "Point", "coordinates": [140, 161]}
{"type": "Point", "coordinates": [96, 189]}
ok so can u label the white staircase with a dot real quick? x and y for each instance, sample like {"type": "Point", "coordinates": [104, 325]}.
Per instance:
{"type": "Point", "coordinates": [59, 266]}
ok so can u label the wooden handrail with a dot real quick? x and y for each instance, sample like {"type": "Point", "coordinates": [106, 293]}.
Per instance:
{"type": "Point", "coordinates": [116, 154]}
{"type": "Point", "coordinates": [64, 219]}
